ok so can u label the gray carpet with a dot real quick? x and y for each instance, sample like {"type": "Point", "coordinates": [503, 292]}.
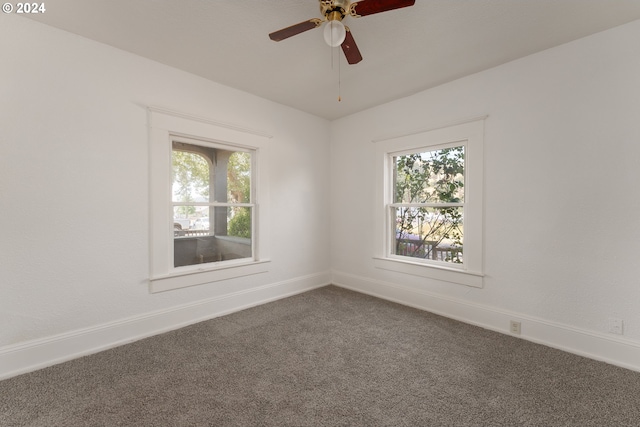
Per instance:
{"type": "Point", "coordinates": [327, 357]}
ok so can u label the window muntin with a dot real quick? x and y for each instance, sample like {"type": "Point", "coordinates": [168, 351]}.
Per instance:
{"type": "Point", "coordinates": [427, 213]}
{"type": "Point", "coordinates": [211, 201]}
{"type": "Point", "coordinates": [434, 234]}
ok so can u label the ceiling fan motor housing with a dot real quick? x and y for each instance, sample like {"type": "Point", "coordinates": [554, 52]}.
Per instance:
{"type": "Point", "coordinates": [334, 9]}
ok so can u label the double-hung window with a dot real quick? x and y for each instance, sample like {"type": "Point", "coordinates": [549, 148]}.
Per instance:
{"type": "Point", "coordinates": [430, 203]}
{"type": "Point", "coordinates": [427, 210]}
{"type": "Point", "coordinates": [209, 202]}
{"type": "Point", "coordinates": [212, 202]}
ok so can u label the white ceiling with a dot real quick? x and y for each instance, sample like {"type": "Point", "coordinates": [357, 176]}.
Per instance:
{"type": "Point", "coordinates": [405, 50]}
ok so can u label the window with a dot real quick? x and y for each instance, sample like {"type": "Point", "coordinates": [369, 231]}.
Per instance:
{"type": "Point", "coordinates": [430, 198]}
{"type": "Point", "coordinates": [211, 202]}
{"type": "Point", "coordinates": [208, 201]}
{"type": "Point", "coordinates": [427, 213]}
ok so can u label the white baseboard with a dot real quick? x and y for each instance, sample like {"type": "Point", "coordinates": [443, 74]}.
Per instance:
{"type": "Point", "coordinates": [595, 345]}
{"type": "Point", "coordinates": [40, 353]}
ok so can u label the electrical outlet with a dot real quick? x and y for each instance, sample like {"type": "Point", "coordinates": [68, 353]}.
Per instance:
{"type": "Point", "coordinates": [514, 327]}
{"type": "Point", "coordinates": [616, 326]}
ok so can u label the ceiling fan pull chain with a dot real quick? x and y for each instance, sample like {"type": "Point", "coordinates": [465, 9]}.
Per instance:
{"type": "Point", "coordinates": [339, 80]}
{"type": "Point", "coordinates": [331, 50]}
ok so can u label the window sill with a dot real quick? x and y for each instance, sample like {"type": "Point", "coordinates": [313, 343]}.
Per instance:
{"type": "Point", "coordinates": [437, 272]}
{"type": "Point", "coordinates": [212, 273]}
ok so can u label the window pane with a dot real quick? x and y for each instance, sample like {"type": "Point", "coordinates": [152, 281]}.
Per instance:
{"type": "Point", "coordinates": [239, 178]}
{"type": "Point", "coordinates": [190, 173]}
{"type": "Point", "coordinates": [227, 237]}
{"type": "Point", "coordinates": [204, 174]}
{"type": "Point", "coordinates": [430, 176]}
{"type": "Point", "coordinates": [429, 233]}
{"type": "Point", "coordinates": [239, 222]}
{"type": "Point", "coordinates": [188, 219]}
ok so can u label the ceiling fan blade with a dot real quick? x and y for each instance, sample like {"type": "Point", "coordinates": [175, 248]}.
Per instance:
{"type": "Point", "coordinates": [369, 7]}
{"type": "Point", "coordinates": [350, 49]}
{"type": "Point", "coordinates": [293, 30]}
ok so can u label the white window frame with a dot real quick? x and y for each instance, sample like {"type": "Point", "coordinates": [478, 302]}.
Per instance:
{"type": "Point", "coordinates": [165, 127]}
{"type": "Point", "coordinates": [471, 135]}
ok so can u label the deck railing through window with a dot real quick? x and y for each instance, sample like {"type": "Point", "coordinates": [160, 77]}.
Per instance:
{"type": "Point", "coordinates": [190, 233]}
{"type": "Point", "coordinates": [432, 250]}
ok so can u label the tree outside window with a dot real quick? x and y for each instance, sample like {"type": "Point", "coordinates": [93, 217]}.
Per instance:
{"type": "Point", "coordinates": [428, 204]}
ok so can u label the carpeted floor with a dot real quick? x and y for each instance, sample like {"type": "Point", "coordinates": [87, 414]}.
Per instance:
{"type": "Point", "coordinates": [327, 357]}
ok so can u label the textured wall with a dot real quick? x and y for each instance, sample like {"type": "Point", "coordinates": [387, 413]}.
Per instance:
{"type": "Point", "coordinates": [74, 181]}
{"type": "Point", "coordinates": [562, 145]}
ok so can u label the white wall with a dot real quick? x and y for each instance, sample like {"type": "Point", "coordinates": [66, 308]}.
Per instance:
{"type": "Point", "coordinates": [74, 252]}
{"type": "Point", "coordinates": [562, 226]}
{"type": "Point", "coordinates": [562, 233]}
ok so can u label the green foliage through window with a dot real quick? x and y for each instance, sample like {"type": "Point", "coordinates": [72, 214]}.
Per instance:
{"type": "Point", "coordinates": [429, 204]}
{"type": "Point", "coordinates": [190, 173]}
{"type": "Point", "coordinates": [240, 223]}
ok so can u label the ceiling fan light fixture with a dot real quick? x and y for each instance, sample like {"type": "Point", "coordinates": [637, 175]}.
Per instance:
{"type": "Point", "coordinates": [334, 33]}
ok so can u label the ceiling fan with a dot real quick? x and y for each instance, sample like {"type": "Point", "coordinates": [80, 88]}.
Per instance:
{"type": "Point", "coordinates": [335, 32]}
